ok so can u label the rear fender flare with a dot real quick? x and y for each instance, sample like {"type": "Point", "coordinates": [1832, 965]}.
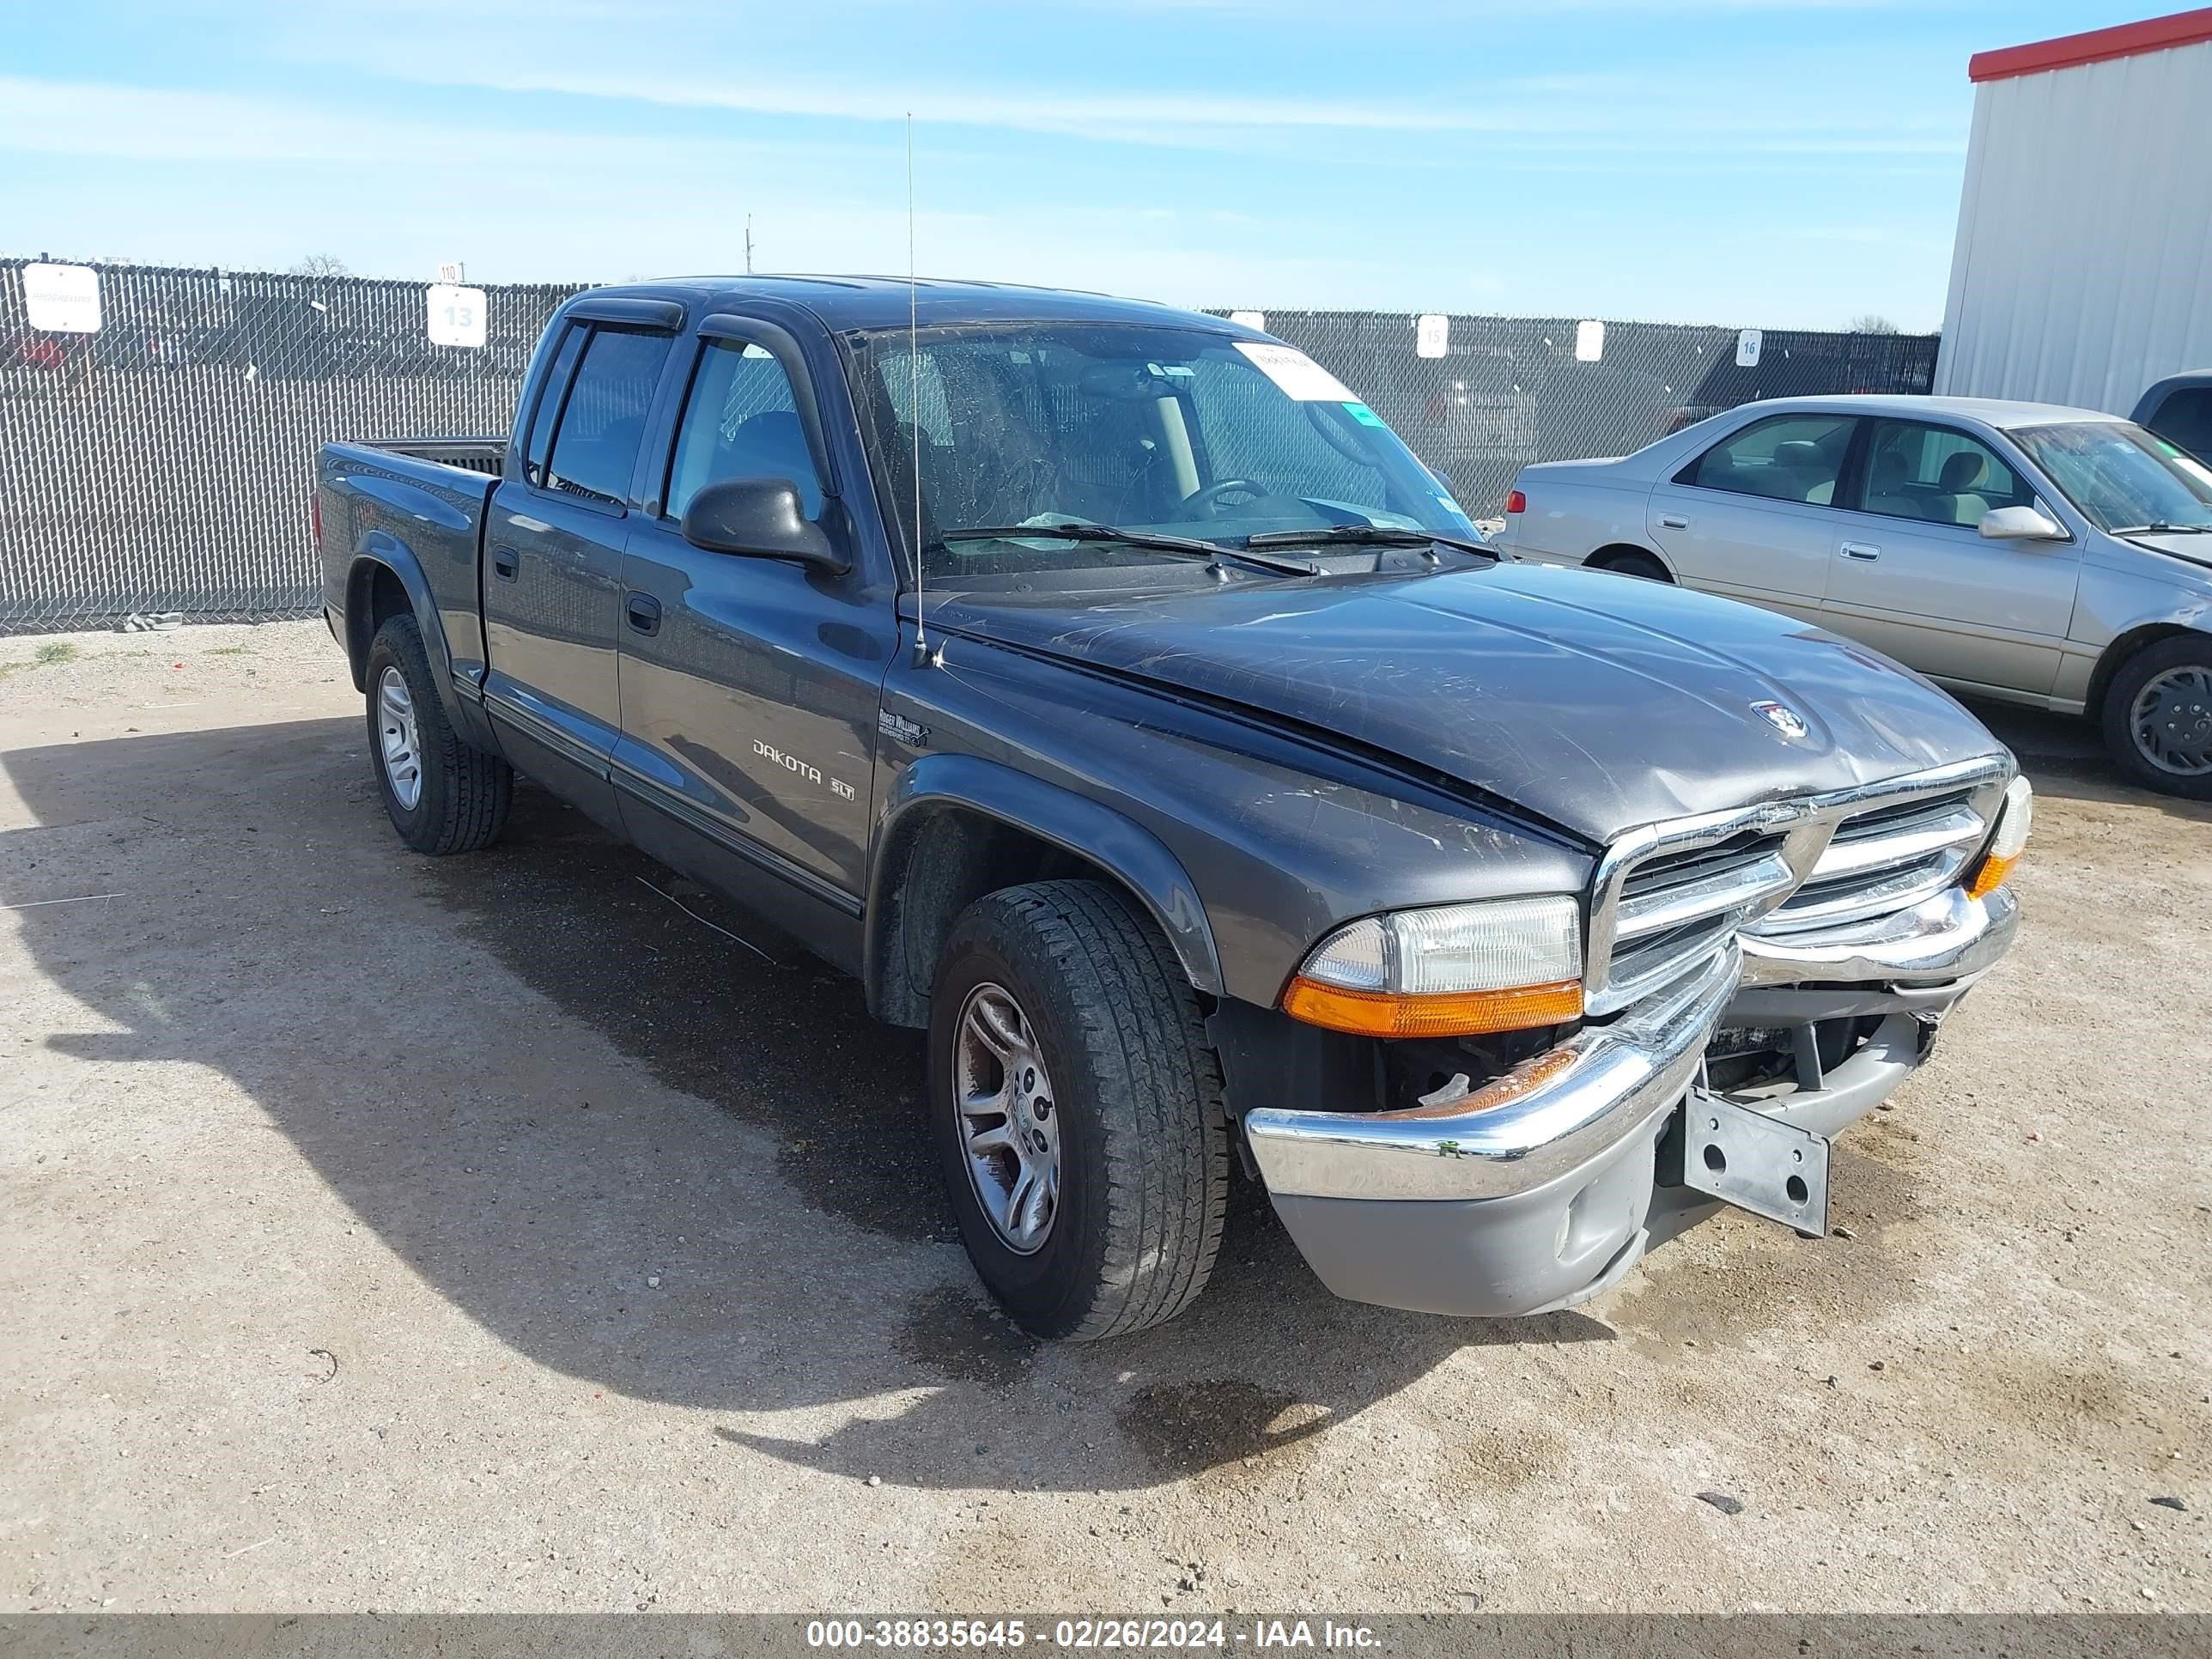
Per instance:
{"type": "Point", "coordinates": [1124, 849]}
{"type": "Point", "coordinates": [380, 549]}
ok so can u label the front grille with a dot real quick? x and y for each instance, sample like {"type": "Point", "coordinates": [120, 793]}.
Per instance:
{"type": "Point", "coordinates": [1668, 897]}
{"type": "Point", "coordinates": [1883, 860]}
{"type": "Point", "coordinates": [1675, 905]}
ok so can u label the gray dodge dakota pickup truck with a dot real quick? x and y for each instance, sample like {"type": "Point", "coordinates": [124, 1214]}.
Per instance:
{"type": "Point", "coordinates": [1112, 692]}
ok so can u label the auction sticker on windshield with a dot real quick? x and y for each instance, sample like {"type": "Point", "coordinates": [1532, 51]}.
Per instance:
{"type": "Point", "coordinates": [1297, 374]}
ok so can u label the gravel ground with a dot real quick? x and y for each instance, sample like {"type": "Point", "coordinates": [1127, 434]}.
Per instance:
{"type": "Point", "coordinates": [384, 1233]}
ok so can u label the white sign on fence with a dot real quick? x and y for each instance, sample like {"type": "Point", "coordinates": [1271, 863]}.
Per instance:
{"type": "Point", "coordinates": [452, 273]}
{"type": "Point", "coordinates": [456, 316]}
{"type": "Point", "coordinates": [62, 299]}
{"type": "Point", "coordinates": [1747, 342]}
{"type": "Point", "coordinates": [1589, 341]}
{"type": "Point", "coordinates": [1431, 335]}
{"type": "Point", "coordinates": [1250, 320]}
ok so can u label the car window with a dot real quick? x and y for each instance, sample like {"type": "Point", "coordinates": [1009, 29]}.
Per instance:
{"type": "Point", "coordinates": [2185, 418]}
{"type": "Point", "coordinates": [740, 422]}
{"type": "Point", "coordinates": [2121, 477]}
{"type": "Point", "coordinates": [1937, 474]}
{"type": "Point", "coordinates": [595, 446]}
{"type": "Point", "coordinates": [1172, 430]}
{"type": "Point", "coordinates": [556, 385]}
{"type": "Point", "coordinates": [1785, 457]}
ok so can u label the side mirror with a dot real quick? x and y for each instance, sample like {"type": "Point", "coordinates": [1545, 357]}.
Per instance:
{"type": "Point", "coordinates": [2020, 524]}
{"type": "Point", "coordinates": [759, 518]}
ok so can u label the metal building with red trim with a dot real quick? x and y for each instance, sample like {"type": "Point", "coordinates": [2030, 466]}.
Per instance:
{"type": "Point", "coordinates": [2082, 270]}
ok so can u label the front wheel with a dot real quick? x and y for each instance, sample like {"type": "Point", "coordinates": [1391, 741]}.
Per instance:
{"type": "Point", "coordinates": [2157, 716]}
{"type": "Point", "coordinates": [1078, 1110]}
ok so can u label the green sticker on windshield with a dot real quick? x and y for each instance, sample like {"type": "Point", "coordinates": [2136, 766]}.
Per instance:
{"type": "Point", "coordinates": [1365, 415]}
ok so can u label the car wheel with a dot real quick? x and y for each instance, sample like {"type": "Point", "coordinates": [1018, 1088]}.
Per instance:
{"type": "Point", "coordinates": [443, 795]}
{"type": "Point", "coordinates": [2157, 716]}
{"type": "Point", "coordinates": [1634, 564]}
{"type": "Point", "coordinates": [1078, 1110]}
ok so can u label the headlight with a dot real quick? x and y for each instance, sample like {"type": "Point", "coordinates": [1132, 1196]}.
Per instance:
{"type": "Point", "coordinates": [2014, 818]}
{"type": "Point", "coordinates": [1454, 971]}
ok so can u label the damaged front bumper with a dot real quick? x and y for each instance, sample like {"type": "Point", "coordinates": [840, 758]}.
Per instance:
{"type": "Point", "coordinates": [1538, 1190]}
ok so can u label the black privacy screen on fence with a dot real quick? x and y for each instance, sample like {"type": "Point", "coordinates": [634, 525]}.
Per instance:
{"type": "Point", "coordinates": [162, 463]}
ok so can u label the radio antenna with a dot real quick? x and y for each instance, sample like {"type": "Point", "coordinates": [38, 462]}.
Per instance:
{"type": "Point", "coordinates": [914, 400]}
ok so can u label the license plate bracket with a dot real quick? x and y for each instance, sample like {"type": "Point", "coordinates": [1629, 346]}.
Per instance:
{"type": "Point", "coordinates": [1760, 1163]}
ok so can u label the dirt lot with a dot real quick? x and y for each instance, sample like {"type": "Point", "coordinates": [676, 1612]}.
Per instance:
{"type": "Point", "coordinates": [380, 1233]}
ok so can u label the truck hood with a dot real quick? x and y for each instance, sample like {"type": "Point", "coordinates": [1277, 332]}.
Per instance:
{"type": "Point", "coordinates": [1595, 702]}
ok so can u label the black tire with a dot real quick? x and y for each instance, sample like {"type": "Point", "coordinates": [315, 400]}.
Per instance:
{"type": "Point", "coordinates": [1143, 1150]}
{"type": "Point", "coordinates": [1632, 564]}
{"type": "Point", "coordinates": [464, 792]}
{"type": "Point", "coordinates": [2183, 651]}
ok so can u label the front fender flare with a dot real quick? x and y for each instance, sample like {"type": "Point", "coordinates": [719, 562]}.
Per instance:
{"type": "Point", "coordinates": [1117, 843]}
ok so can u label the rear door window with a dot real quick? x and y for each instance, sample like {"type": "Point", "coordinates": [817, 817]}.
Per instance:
{"type": "Point", "coordinates": [550, 392]}
{"type": "Point", "coordinates": [603, 418]}
{"type": "Point", "coordinates": [1785, 457]}
{"type": "Point", "coordinates": [1937, 474]}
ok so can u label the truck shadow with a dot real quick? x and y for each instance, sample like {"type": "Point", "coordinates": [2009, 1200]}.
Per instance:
{"type": "Point", "coordinates": [763, 1233]}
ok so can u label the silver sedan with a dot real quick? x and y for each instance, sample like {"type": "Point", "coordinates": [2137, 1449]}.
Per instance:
{"type": "Point", "coordinates": [2051, 557]}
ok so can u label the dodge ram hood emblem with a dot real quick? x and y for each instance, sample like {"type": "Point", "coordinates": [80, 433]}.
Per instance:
{"type": "Point", "coordinates": [1788, 721]}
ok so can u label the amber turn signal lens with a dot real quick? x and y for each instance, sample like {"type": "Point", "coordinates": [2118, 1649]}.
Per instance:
{"type": "Point", "coordinates": [1989, 875]}
{"type": "Point", "coordinates": [1452, 1013]}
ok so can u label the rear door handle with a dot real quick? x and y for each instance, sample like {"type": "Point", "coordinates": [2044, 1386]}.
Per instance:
{"type": "Point", "coordinates": [1865, 552]}
{"type": "Point", "coordinates": [644, 613]}
{"type": "Point", "coordinates": [503, 562]}
{"type": "Point", "coordinates": [1668, 521]}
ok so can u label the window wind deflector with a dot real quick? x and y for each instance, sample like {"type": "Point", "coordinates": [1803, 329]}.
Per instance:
{"type": "Point", "coordinates": [637, 314]}
{"type": "Point", "coordinates": [1372, 535]}
{"type": "Point", "coordinates": [1187, 546]}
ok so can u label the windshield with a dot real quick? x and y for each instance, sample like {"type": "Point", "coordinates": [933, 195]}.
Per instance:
{"type": "Point", "coordinates": [2121, 477]}
{"type": "Point", "coordinates": [1163, 431]}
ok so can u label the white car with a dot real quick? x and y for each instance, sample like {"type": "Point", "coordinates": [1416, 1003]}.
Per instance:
{"type": "Point", "coordinates": [2055, 557]}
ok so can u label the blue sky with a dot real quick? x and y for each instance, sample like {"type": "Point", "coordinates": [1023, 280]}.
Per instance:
{"type": "Point", "coordinates": [1770, 162]}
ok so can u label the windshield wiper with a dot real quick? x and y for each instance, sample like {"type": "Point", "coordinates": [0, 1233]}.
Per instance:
{"type": "Point", "coordinates": [1188, 546]}
{"type": "Point", "coordinates": [1375, 535]}
{"type": "Point", "coordinates": [2166, 530]}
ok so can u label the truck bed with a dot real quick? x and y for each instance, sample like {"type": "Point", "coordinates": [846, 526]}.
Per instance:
{"type": "Point", "coordinates": [421, 503]}
{"type": "Point", "coordinates": [485, 455]}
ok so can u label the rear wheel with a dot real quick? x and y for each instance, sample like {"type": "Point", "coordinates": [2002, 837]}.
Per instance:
{"type": "Point", "coordinates": [2157, 716]}
{"type": "Point", "coordinates": [442, 794]}
{"type": "Point", "coordinates": [1078, 1110]}
{"type": "Point", "coordinates": [1632, 564]}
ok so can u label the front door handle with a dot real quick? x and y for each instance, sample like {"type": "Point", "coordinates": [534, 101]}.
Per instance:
{"type": "Point", "coordinates": [644, 613]}
{"type": "Point", "coordinates": [1669, 521]}
{"type": "Point", "coordinates": [1864, 552]}
{"type": "Point", "coordinates": [503, 562]}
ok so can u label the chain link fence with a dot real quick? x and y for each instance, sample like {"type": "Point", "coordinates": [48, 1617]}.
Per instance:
{"type": "Point", "coordinates": [161, 463]}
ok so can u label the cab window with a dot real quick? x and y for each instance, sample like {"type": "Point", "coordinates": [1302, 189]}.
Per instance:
{"type": "Point", "coordinates": [1937, 474]}
{"type": "Point", "coordinates": [740, 422]}
{"type": "Point", "coordinates": [1785, 457]}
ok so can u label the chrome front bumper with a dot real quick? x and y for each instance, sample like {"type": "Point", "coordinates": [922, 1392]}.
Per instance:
{"type": "Point", "coordinates": [1945, 937]}
{"type": "Point", "coordinates": [1533, 1192]}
